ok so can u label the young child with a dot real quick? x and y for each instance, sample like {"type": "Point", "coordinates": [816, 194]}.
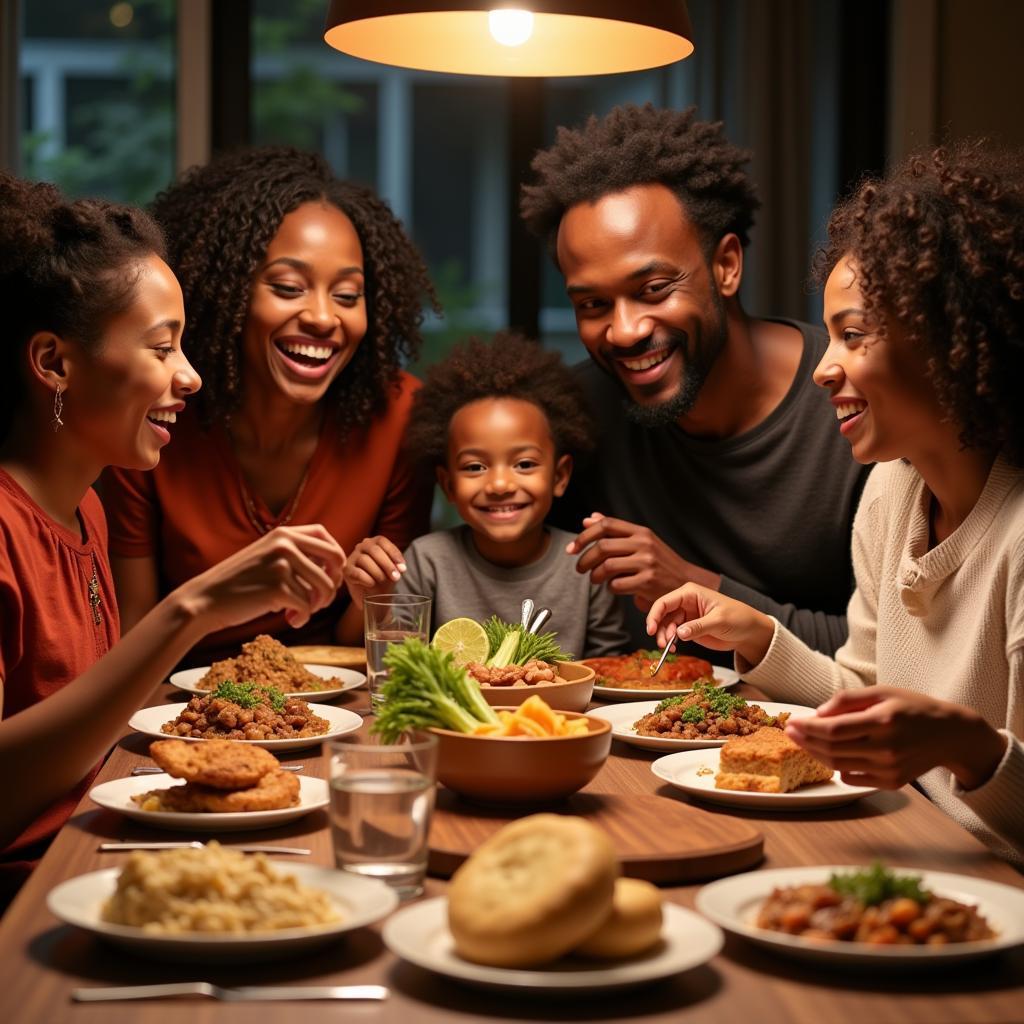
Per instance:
{"type": "Point", "coordinates": [500, 423]}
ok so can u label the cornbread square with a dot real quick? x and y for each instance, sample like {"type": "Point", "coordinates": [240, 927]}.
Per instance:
{"type": "Point", "coordinates": [767, 761]}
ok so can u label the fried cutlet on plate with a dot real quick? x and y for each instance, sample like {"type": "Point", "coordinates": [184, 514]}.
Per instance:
{"type": "Point", "coordinates": [275, 790]}
{"type": "Point", "coordinates": [220, 764]}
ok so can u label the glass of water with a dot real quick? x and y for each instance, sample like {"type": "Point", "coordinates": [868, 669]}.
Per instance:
{"type": "Point", "coordinates": [390, 619]}
{"type": "Point", "coordinates": [382, 799]}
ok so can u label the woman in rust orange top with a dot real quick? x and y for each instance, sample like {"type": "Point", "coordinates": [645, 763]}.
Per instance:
{"type": "Point", "coordinates": [91, 371]}
{"type": "Point", "coordinates": [303, 298]}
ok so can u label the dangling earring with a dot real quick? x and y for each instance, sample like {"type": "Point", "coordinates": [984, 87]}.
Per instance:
{"type": "Point", "coordinates": [58, 408]}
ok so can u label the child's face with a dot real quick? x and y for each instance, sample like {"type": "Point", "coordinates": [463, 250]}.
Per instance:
{"type": "Point", "coordinates": [502, 472]}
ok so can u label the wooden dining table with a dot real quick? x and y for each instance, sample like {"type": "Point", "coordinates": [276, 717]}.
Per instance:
{"type": "Point", "coordinates": [43, 960]}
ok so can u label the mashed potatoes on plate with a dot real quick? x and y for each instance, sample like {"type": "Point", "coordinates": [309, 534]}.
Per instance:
{"type": "Point", "coordinates": [213, 889]}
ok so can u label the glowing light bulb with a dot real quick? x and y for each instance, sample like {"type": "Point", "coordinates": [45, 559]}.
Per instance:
{"type": "Point", "coordinates": [510, 27]}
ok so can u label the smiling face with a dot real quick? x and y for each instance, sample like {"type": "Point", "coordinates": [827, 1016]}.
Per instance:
{"type": "Point", "coordinates": [307, 313]}
{"type": "Point", "coordinates": [503, 474]}
{"type": "Point", "coordinates": [123, 393]}
{"type": "Point", "coordinates": [648, 303]}
{"type": "Point", "coordinates": [884, 402]}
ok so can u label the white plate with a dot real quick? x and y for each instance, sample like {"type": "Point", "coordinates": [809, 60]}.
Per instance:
{"type": "Point", "coordinates": [359, 901]}
{"type": "Point", "coordinates": [725, 677]}
{"type": "Point", "coordinates": [622, 717]}
{"type": "Point", "coordinates": [188, 680]}
{"type": "Point", "coordinates": [340, 721]}
{"type": "Point", "coordinates": [733, 903]}
{"type": "Point", "coordinates": [419, 933]}
{"type": "Point", "coordinates": [117, 794]}
{"type": "Point", "coordinates": [693, 771]}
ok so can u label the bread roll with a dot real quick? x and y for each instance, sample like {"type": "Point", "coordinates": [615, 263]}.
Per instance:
{"type": "Point", "coordinates": [532, 892]}
{"type": "Point", "coordinates": [634, 924]}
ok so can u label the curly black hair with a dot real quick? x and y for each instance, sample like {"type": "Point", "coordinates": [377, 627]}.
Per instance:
{"type": "Point", "coordinates": [510, 366]}
{"type": "Point", "coordinates": [939, 249]}
{"type": "Point", "coordinates": [66, 267]}
{"type": "Point", "coordinates": [642, 146]}
{"type": "Point", "coordinates": [220, 218]}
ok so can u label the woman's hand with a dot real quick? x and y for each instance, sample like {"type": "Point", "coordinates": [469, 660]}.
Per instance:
{"type": "Point", "coordinates": [696, 613]}
{"type": "Point", "coordinates": [885, 737]}
{"type": "Point", "coordinates": [294, 568]}
{"type": "Point", "coordinates": [374, 567]}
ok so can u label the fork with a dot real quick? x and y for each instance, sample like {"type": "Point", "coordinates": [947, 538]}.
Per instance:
{"type": "Point", "coordinates": [230, 995]}
{"type": "Point", "coordinates": [664, 654]}
{"type": "Point", "coordinates": [118, 847]}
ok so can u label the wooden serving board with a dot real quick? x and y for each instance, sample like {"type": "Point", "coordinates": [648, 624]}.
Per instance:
{"type": "Point", "coordinates": [338, 657]}
{"type": "Point", "coordinates": [657, 838]}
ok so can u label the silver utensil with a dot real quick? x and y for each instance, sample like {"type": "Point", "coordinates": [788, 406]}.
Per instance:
{"type": "Point", "coordinates": [298, 851]}
{"type": "Point", "coordinates": [539, 619]}
{"type": "Point", "coordinates": [153, 769]}
{"type": "Point", "coordinates": [229, 995]}
{"type": "Point", "coordinates": [527, 613]}
{"type": "Point", "coordinates": [664, 654]}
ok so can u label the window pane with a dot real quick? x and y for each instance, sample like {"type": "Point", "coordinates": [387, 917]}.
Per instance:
{"type": "Point", "coordinates": [98, 88]}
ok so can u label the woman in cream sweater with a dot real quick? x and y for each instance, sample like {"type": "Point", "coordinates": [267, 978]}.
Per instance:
{"type": "Point", "coordinates": [924, 305]}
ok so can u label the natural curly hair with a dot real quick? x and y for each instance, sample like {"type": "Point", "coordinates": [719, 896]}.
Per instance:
{"type": "Point", "coordinates": [220, 219]}
{"type": "Point", "coordinates": [939, 251]}
{"type": "Point", "coordinates": [510, 366]}
{"type": "Point", "coordinates": [642, 146]}
{"type": "Point", "coordinates": [66, 267]}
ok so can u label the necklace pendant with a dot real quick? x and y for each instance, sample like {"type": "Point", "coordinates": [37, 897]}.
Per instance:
{"type": "Point", "coordinates": [94, 598]}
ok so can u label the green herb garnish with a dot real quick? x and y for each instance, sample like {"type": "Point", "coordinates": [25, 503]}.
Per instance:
{"type": "Point", "coordinates": [249, 695]}
{"type": "Point", "coordinates": [670, 702]}
{"type": "Point", "coordinates": [656, 656]}
{"type": "Point", "coordinates": [876, 884]}
{"type": "Point", "coordinates": [720, 701]}
{"type": "Point", "coordinates": [425, 688]}
{"type": "Point", "coordinates": [509, 644]}
{"type": "Point", "coordinates": [693, 714]}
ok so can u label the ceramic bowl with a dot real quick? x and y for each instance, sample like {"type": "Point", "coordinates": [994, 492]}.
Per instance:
{"type": "Point", "coordinates": [521, 769]}
{"type": "Point", "coordinates": [571, 690]}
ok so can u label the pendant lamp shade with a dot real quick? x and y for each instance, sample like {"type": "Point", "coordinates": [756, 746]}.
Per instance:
{"type": "Point", "coordinates": [518, 38]}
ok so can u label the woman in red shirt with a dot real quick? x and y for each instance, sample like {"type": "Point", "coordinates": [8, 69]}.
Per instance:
{"type": "Point", "coordinates": [93, 374]}
{"type": "Point", "coordinates": [304, 298]}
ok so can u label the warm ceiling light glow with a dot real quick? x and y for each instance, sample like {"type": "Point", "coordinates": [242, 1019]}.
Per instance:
{"type": "Point", "coordinates": [568, 37]}
{"type": "Point", "coordinates": [509, 26]}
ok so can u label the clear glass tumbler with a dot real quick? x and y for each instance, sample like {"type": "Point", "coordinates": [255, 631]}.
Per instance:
{"type": "Point", "coordinates": [382, 799]}
{"type": "Point", "coordinates": [390, 619]}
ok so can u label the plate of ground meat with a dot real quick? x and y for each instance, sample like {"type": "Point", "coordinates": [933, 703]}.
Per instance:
{"type": "Point", "coordinates": [628, 676]}
{"type": "Point", "coordinates": [873, 916]}
{"type": "Point", "coordinates": [266, 662]}
{"type": "Point", "coordinates": [707, 717]}
{"type": "Point", "coordinates": [248, 714]}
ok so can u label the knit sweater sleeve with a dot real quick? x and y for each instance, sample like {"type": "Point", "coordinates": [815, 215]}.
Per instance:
{"type": "Point", "coordinates": [790, 671]}
{"type": "Point", "coordinates": [998, 801]}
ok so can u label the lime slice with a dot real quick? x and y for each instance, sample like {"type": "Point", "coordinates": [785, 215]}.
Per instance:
{"type": "Point", "coordinates": [465, 639]}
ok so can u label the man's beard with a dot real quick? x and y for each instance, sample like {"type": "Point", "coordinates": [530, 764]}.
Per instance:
{"type": "Point", "coordinates": [696, 367]}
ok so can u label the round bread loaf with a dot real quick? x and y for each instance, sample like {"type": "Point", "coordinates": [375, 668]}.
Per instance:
{"type": "Point", "coordinates": [532, 892]}
{"type": "Point", "coordinates": [633, 925]}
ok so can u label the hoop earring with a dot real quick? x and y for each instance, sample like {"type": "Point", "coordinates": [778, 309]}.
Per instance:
{"type": "Point", "coordinates": [58, 408]}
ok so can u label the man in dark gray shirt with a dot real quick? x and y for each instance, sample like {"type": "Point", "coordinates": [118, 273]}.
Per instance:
{"type": "Point", "coordinates": [719, 460]}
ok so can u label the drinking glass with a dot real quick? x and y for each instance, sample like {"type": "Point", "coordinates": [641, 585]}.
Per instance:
{"type": "Point", "coordinates": [390, 619]}
{"type": "Point", "coordinates": [382, 798]}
